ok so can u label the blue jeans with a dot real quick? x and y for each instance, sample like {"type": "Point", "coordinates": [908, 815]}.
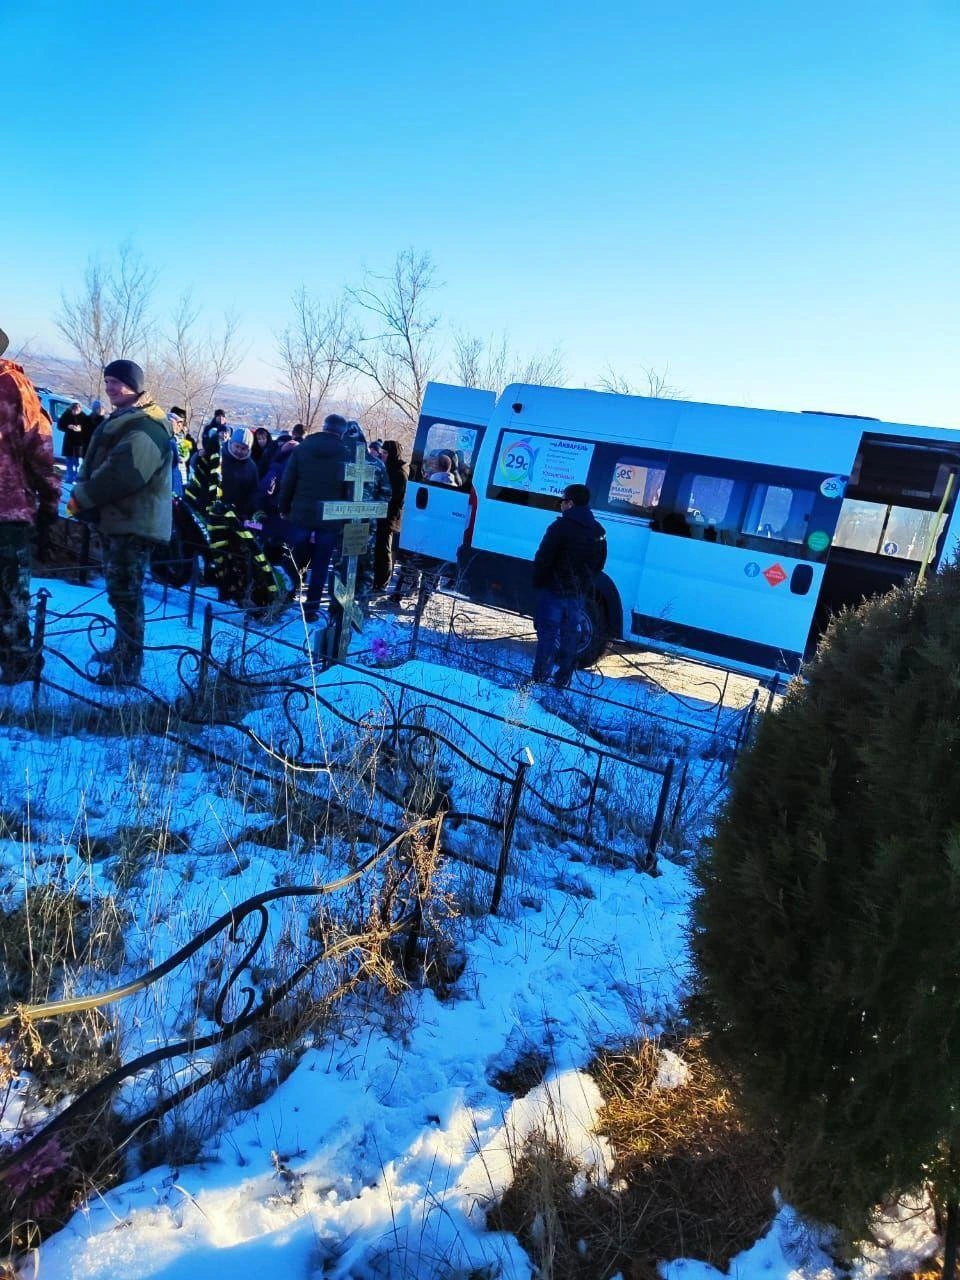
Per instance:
{"type": "Point", "coordinates": [325, 544]}
{"type": "Point", "coordinates": [557, 637]}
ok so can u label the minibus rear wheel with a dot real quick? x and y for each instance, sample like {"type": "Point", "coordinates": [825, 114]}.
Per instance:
{"type": "Point", "coordinates": [594, 628]}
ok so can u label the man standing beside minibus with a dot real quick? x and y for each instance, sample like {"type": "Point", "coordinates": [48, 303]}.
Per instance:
{"type": "Point", "coordinates": [568, 561]}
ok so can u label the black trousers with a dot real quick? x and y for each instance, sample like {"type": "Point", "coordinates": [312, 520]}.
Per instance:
{"type": "Point", "coordinates": [383, 555]}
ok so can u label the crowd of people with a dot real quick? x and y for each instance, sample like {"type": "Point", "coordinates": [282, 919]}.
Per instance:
{"type": "Point", "coordinates": [253, 504]}
{"type": "Point", "coordinates": [249, 501]}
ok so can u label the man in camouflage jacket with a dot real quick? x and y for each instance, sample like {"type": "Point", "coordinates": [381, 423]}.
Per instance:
{"type": "Point", "coordinates": [125, 488]}
{"type": "Point", "coordinates": [29, 496]}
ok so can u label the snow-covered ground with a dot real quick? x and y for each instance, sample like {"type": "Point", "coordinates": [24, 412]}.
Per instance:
{"type": "Point", "coordinates": [380, 1153]}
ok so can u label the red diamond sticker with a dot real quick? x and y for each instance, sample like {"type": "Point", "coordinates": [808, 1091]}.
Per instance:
{"type": "Point", "coordinates": [775, 575]}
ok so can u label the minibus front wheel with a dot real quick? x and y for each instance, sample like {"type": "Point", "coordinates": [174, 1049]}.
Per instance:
{"type": "Point", "coordinates": [593, 626]}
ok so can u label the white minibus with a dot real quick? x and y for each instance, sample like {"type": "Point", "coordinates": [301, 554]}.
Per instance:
{"type": "Point", "coordinates": [733, 534]}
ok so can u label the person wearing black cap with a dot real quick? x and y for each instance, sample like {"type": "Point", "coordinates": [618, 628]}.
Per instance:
{"type": "Point", "coordinates": [218, 423]}
{"type": "Point", "coordinates": [125, 487]}
{"type": "Point", "coordinates": [29, 496]}
{"type": "Point", "coordinates": [73, 423]}
{"type": "Point", "coordinates": [565, 569]}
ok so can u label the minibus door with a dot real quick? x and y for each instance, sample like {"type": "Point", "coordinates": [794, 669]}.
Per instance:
{"type": "Point", "coordinates": [437, 509]}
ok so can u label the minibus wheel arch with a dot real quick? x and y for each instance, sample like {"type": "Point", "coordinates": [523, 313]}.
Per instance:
{"type": "Point", "coordinates": [601, 619]}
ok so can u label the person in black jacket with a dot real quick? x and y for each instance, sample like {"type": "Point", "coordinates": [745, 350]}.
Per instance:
{"type": "Point", "coordinates": [239, 479]}
{"type": "Point", "coordinates": [73, 423]}
{"type": "Point", "coordinates": [264, 450]}
{"type": "Point", "coordinates": [565, 569]}
{"type": "Point", "coordinates": [390, 453]}
{"type": "Point", "coordinates": [315, 475]}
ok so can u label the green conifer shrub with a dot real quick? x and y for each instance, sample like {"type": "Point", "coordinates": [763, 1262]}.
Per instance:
{"type": "Point", "coordinates": [826, 932]}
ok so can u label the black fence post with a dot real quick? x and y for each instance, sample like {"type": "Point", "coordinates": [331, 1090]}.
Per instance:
{"type": "Point", "coordinates": [588, 832]}
{"type": "Point", "coordinates": [723, 700]}
{"type": "Point", "coordinates": [206, 650]}
{"type": "Point", "coordinates": [453, 611]}
{"type": "Point", "coordinates": [39, 632]}
{"type": "Point", "coordinates": [244, 637]}
{"type": "Point", "coordinates": [681, 789]}
{"type": "Point", "coordinates": [192, 595]}
{"type": "Point", "coordinates": [523, 760]}
{"type": "Point", "coordinates": [656, 831]}
{"type": "Point", "coordinates": [398, 721]}
{"type": "Point", "coordinates": [745, 727]}
{"type": "Point", "coordinates": [325, 635]}
{"type": "Point", "coordinates": [423, 593]}
{"type": "Point", "coordinates": [774, 689]}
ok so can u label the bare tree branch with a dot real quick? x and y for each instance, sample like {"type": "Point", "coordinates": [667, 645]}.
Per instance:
{"type": "Point", "coordinates": [654, 385]}
{"type": "Point", "coordinates": [312, 350]}
{"type": "Point", "coordinates": [491, 364]}
{"type": "Point", "coordinates": [109, 318]}
{"type": "Point", "coordinates": [393, 346]}
{"type": "Point", "coordinates": [195, 365]}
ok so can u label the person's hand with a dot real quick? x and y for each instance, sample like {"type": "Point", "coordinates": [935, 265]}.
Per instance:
{"type": "Point", "coordinates": [73, 507]}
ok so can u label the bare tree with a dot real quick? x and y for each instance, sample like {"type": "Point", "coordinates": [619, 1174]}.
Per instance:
{"type": "Point", "coordinates": [492, 365]}
{"type": "Point", "coordinates": [312, 350]}
{"type": "Point", "coordinates": [110, 318]}
{"type": "Point", "coordinates": [195, 363]}
{"type": "Point", "coordinates": [393, 347]}
{"type": "Point", "coordinates": [654, 384]}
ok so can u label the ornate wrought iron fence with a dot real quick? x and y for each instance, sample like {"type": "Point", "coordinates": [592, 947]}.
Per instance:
{"type": "Point", "coordinates": [425, 746]}
{"type": "Point", "coordinates": [432, 737]}
{"type": "Point", "coordinates": [238, 1005]}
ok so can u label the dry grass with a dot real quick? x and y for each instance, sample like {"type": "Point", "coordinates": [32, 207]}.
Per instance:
{"type": "Point", "coordinates": [51, 931]}
{"type": "Point", "coordinates": [693, 1179]}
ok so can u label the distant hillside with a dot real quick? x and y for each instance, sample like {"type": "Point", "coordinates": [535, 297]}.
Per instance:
{"type": "Point", "coordinates": [251, 406]}
{"type": "Point", "coordinates": [245, 406]}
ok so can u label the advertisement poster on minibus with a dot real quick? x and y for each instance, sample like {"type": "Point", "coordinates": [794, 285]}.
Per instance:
{"type": "Point", "coordinates": [541, 464]}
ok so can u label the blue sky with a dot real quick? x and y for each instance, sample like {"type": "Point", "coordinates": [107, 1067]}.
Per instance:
{"type": "Point", "coordinates": [765, 197]}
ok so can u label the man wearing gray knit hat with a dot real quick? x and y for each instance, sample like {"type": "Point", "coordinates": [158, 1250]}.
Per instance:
{"type": "Point", "coordinates": [125, 488]}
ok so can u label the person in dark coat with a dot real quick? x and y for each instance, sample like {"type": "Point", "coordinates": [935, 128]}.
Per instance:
{"type": "Point", "coordinates": [218, 423]}
{"type": "Point", "coordinates": [284, 542]}
{"type": "Point", "coordinates": [391, 454]}
{"type": "Point", "coordinates": [314, 475]}
{"type": "Point", "coordinates": [264, 450]}
{"type": "Point", "coordinates": [73, 423]}
{"type": "Point", "coordinates": [267, 490]}
{"type": "Point", "coordinates": [239, 479]}
{"type": "Point", "coordinates": [125, 486]}
{"type": "Point", "coordinates": [565, 570]}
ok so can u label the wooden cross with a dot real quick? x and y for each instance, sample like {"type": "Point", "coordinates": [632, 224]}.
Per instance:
{"type": "Point", "coordinates": [356, 515]}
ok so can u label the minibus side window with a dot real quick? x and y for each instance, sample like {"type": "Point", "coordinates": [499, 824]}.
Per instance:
{"type": "Point", "coordinates": [908, 532]}
{"type": "Point", "coordinates": [450, 440]}
{"type": "Point", "coordinates": [634, 486]}
{"type": "Point", "coordinates": [779, 512]}
{"type": "Point", "coordinates": [708, 507]}
{"type": "Point", "coordinates": [879, 529]}
{"type": "Point", "coordinates": [532, 470]}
